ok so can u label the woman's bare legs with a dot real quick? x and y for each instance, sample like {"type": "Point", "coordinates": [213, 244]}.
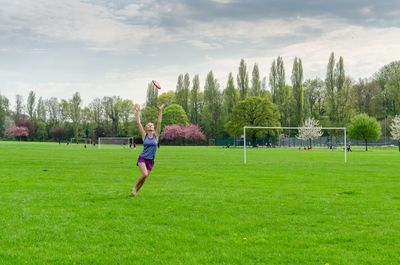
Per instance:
{"type": "Point", "coordinates": [142, 179]}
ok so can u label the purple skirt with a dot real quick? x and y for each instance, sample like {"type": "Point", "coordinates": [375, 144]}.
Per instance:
{"type": "Point", "coordinates": [148, 162]}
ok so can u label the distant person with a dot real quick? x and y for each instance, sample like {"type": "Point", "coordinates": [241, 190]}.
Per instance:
{"type": "Point", "coordinates": [348, 147]}
{"type": "Point", "coordinates": [150, 137]}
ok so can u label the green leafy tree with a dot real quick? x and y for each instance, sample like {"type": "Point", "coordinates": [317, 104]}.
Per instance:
{"type": "Point", "coordinates": [194, 101]}
{"type": "Point", "coordinates": [253, 111]}
{"type": "Point", "coordinates": [126, 110]}
{"type": "Point", "coordinates": [364, 127]}
{"type": "Point", "coordinates": [52, 112]}
{"type": "Point", "coordinates": [112, 112]}
{"type": "Point", "coordinates": [19, 108]}
{"type": "Point", "coordinates": [149, 114]}
{"type": "Point", "coordinates": [280, 73]}
{"type": "Point", "coordinates": [40, 130]}
{"type": "Point", "coordinates": [64, 113]}
{"type": "Point", "coordinates": [75, 105]}
{"type": "Point", "coordinates": [41, 110]}
{"type": "Point", "coordinates": [167, 98]}
{"type": "Point", "coordinates": [88, 127]}
{"type": "Point", "coordinates": [337, 91]}
{"type": "Point", "coordinates": [231, 96]}
{"type": "Point", "coordinates": [243, 80]}
{"type": "Point", "coordinates": [343, 85]}
{"type": "Point", "coordinates": [285, 105]}
{"type": "Point", "coordinates": [273, 80]}
{"type": "Point", "coordinates": [212, 107]}
{"type": "Point", "coordinates": [256, 88]}
{"type": "Point", "coordinates": [174, 114]}
{"type": "Point", "coordinates": [186, 93]}
{"type": "Point", "coordinates": [314, 95]}
{"type": "Point", "coordinates": [331, 88]}
{"type": "Point", "coordinates": [298, 91]}
{"type": "Point", "coordinates": [97, 109]}
{"type": "Point", "coordinates": [4, 112]}
{"type": "Point", "coordinates": [181, 92]}
{"type": "Point", "coordinates": [366, 97]}
{"type": "Point", "coordinates": [281, 92]}
{"type": "Point", "coordinates": [393, 86]}
{"type": "Point", "coordinates": [386, 78]}
{"type": "Point", "coordinates": [30, 105]}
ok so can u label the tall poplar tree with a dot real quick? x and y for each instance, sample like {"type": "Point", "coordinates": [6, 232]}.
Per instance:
{"type": "Point", "coordinates": [152, 95]}
{"type": "Point", "coordinates": [331, 92]}
{"type": "Point", "coordinates": [243, 80]}
{"type": "Point", "coordinates": [75, 105]}
{"type": "Point", "coordinates": [194, 116]}
{"type": "Point", "coordinates": [298, 90]}
{"type": "Point", "coordinates": [230, 96]}
{"type": "Point", "coordinates": [212, 106]}
{"type": "Point", "coordinates": [256, 89]}
{"type": "Point", "coordinates": [19, 108]}
{"type": "Point", "coordinates": [273, 80]}
{"type": "Point", "coordinates": [179, 92]}
{"type": "Point", "coordinates": [30, 105]}
{"type": "Point", "coordinates": [41, 110]}
{"type": "Point", "coordinates": [185, 93]}
{"type": "Point", "coordinates": [283, 95]}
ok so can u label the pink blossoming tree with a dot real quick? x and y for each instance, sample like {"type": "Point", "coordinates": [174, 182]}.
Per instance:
{"type": "Point", "coordinates": [17, 132]}
{"type": "Point", "coordinates": [190, 134]}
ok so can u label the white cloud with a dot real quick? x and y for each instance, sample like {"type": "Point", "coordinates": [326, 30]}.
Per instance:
{"type": "Point", "coordinates": [131, 10]}
{"type": "Point", "coordinates": [366, 11]}
{"type": "Point", "coordinates": [93, 25]}
{"type": "Point", "coordinates": [223, 1]}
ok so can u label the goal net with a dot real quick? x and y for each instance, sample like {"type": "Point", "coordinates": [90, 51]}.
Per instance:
{"type": "Point", "coordinates": [80, 141]}
{"type": "Point", "coordinates": [296, 137]}
{"type": "Point", "coordinates": [122, 141]}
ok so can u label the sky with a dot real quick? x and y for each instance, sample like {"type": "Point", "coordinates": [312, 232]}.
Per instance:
{"type": "Point", "coordinates": [116, 47]}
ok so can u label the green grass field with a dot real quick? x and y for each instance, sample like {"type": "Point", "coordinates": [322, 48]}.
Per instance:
{"type": "Point", "coordinates": [201, 205]}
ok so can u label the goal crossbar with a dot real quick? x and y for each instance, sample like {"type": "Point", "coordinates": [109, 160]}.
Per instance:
{"type": "Point", "coordinates": [114, 140]}
{"type": "Point", "coordinates": [293, 128]}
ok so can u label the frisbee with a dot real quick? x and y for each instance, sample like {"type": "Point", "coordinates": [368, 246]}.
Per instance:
{"type": "Point", "coordinates": [156, 84]}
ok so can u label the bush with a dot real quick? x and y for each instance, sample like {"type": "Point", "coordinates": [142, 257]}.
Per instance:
{"type": "Point", "coordinates": [176, 134]}
{"type": "Point", "coordinates": [17, 132]}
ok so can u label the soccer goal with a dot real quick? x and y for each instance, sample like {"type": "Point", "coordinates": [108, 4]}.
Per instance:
{"type": "Point", "coordinates": [316, 131]}
{"type": "Point", "coordinates": [80, 141]}
{"type": "Point", "coordinates": [124, 141]}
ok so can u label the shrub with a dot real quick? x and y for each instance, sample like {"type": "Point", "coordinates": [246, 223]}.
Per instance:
{"type": "Point", "coordinates": [17, 132]}
{"type": "Point", "coordinates": [177, 134]}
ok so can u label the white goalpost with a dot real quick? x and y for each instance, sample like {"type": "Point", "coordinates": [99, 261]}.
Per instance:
{"type": "Point", "coordinates": [115, 141]}
{"type": "Point", "coordinates": [294, 128]}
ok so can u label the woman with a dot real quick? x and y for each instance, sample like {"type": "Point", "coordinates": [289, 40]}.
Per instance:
{"type": "Point", "coordinates": [150, 138]}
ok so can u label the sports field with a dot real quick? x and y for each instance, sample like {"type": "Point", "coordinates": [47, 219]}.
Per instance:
{"type": "Point", "coordinates": [201, 205]}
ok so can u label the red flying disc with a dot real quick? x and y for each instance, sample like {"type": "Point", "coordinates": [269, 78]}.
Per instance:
{"type": "Point", "coordinates": [156, 84]}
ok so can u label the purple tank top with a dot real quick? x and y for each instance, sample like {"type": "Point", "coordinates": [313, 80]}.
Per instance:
{"type": "Point", "coordinates": [150, 147]}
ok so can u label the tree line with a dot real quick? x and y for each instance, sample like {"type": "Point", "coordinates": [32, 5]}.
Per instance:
{"type": "Point", "coordinates": [246, 99]}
